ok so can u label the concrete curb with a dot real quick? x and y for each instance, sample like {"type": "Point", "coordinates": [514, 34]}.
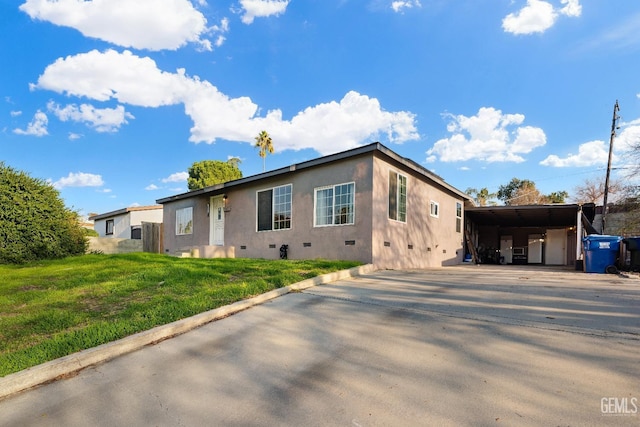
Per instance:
{"type": "Point", "coordinates": [55, 369]}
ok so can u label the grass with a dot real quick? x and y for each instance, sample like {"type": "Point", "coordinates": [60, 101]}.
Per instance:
{"type": "Point", "coordinates": [50, 309]}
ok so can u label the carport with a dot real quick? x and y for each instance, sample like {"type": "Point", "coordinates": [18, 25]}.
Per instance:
{"type": "Point", "coordinates": [528, 234]}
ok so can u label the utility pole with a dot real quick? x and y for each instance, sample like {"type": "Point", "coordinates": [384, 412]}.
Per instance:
{"type": "Point", "coordinates": [614, 127]}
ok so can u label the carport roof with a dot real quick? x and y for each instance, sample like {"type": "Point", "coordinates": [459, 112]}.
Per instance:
{"type": "Point", "coordinates": [556, 215]}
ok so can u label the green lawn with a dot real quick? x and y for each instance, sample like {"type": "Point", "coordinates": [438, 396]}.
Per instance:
{"type": "Point", "coordinates": [50, 309]}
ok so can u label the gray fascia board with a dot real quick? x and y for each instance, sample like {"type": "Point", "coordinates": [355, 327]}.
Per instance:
{"type": "Point", "coordinates": [111, 214]}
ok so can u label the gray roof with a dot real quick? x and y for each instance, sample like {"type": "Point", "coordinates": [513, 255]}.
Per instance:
{"type": "Point", "coordinates": [124, 211]}
{"type": "Point", "coordinates": [375, 147]}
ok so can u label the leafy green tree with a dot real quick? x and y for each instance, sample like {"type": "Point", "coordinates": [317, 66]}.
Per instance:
{"type": "Point", "coordinates": [482, 196]}
{"type": "Point", "coordinates": [509, 193]}
{"type": "Point", "coordinates": [211, 172]}
{"type": "Point", "coordinates": [265, 145]}
{"type": "Point", "coordinates": [524, 192]}
{"type": "Point", "coordinates": [34, 222]}
{"type": "Point", "coordinates": [557, 197]}
{"type": "Point", "coordinates": [235, 162]}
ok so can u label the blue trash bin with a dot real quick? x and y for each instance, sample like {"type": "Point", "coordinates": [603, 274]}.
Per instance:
{"type": "Point", "coordinates": [600, 252]}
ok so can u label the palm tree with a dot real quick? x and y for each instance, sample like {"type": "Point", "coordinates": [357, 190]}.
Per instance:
{"type": "Point", "coordinates": [265, 144]}
{"type": "Point", "coordinates": [482, 196]}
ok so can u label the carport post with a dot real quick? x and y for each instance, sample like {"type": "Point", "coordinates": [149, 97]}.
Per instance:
{"type": "Point", "coordinates": [579, 233]}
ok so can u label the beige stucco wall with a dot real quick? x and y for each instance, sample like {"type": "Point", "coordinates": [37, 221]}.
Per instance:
{"type": "Point", "coordinates": [321, 242]}
{"type": "Point", "coordinates": [434, 240]}
{"type": "Point", "coordinates": [177, 245]}
{"type": "Point", "coordinates": [304, 240]}
{"type": "Point", "coordinates": [423, 241]}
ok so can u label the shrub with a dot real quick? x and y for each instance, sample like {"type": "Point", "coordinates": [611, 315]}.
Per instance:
{"type": "Point", "coordinates": [90, 232]}
{"type": "Point", "coordinates": [34, 222]}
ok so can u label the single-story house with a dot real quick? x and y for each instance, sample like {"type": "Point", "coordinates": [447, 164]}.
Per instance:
{"type": "Point", "coordinates": [530, 234]}
{"type": "Point", "coordinates": [367, 204]}
{"type": "Point", "coordinates": [126, 223]}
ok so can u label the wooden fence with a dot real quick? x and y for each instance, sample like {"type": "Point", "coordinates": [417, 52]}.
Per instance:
{"type": "Point", "coordinates": [152, 237]}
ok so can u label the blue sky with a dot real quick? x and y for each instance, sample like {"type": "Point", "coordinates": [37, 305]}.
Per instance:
{"type": "Point", "coordinates": [113, 100]}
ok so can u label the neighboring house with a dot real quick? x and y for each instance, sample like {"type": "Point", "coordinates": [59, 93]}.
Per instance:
{"type": "Point", "coordinates": [126, 223]}
{"type": "Point", "coordinates": [368, 204]}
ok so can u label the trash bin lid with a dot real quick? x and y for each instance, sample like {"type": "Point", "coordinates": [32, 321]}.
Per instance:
{"type": "Point", "coordinates": [601, 241]}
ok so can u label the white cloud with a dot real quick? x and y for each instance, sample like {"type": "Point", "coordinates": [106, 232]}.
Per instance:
{"type": "Point", "coordinates": [73, 136]}
{"type": "Point", "coordinates": [151, 187]}
{"type": "Point", "coordinates": [130, 79]}
{"type": "Point", "coordinates": [628, 138]}
{"type": "Point", "coordinates": [79, 179]}
{"type": "Point", "coordinates": [487, 137]}
{"type": "Point", "coordinates": [176, 177]}
{"type": "Point", "coordinates": [401, 5]}
{"type": "Point", "coordinates": [572, 8]}
{"type": "Point", "coordinates": [36, 127]}
{"type": "Point", "coordinates": [336, 126]}
{"type": "Point", "coordinates": [597, 152]}
{"type": "Point", "coordinates": [262, 8]}
{"type": "Point", "coordinates": [141, 24]}
{"type": "Point", "coordinates": [538, 16]}
{"type": "Point", "coordinates": [589, 154]}
{"type": "Point", "coordinates": [101, 119]}
{"type": "Point", "coordinates": [15, 113]}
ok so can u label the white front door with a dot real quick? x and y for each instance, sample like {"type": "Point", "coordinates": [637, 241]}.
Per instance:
{"type": "Point", "coordinates": [216, 213]}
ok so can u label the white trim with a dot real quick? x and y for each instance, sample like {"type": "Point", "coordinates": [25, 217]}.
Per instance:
{"type": "Point", "coordinates": [213, 212]}
{"type": "Point", "coordinates": [406, 209]}
{"type": "Point", "coordinates": [272, 208]}
{"type": "Point", "coordinates": [315, 200]}
{"type": "Point", "coordinates": [435, 204]}
{"type": "Point", "coordinates": [190, 231]}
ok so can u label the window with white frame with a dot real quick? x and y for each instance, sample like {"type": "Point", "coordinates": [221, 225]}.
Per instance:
{"type": "Point", "coordinates": [458, 217]}
{"type": "Point", "coordinates": [184, 221]}
{"type": "Point", "coordinates": [274, 208]}
{"type": "Point", "coordinates": [434, 209]}
{"type": "Point", "coordinates": [334, 205]}
{"type": "Point", "coordinates": [397, 196]}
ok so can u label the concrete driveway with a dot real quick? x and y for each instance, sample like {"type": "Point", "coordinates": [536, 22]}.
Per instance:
{"type": "Point", "coordinates": [467, 345]}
